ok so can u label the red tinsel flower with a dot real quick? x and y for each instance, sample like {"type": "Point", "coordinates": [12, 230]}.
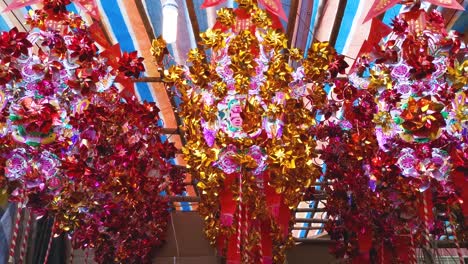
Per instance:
{"type": "Point", "coordinates": [436, 18]}
{"type": "Point", "coordinates": [48, 66]}
{"type": "Point", "coordinates": [8, 71]}
{"type": "Point", "coordinates": [344, 90]}
{"type": "Point", "coordinates": [35, 115]}
{"type": "Point", "coordinates": [56, 7]}
{"type": "Point", "coordinates": [391, 96]}
{"type": "Point", "coordinates": [121, 163]}
{"type": "Point", "coordinates": [131, 65]}
{"type": "Point", "coordinates": [338, 65]}
{"type": "Point", "coordinates": [56, 44]}
{"type": "Point", "coordinates": [82, 47]}
{"type": "Point", "coordinates": [415, 51]}
{"type": "Point", "coordinates": [400, 26]}
{"type": "Point", "coordinates": [14, 43]}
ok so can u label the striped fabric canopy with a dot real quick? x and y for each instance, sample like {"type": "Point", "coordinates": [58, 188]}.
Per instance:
{"type": "Point", "coordinates": [134, 23]}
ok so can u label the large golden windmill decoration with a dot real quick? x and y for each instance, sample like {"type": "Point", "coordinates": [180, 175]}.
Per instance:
{"type": "Point", "coordinates": [247, 130]}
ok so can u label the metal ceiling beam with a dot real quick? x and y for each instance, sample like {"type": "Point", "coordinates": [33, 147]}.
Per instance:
{"type": "Point", "coordinates": [292, 21]}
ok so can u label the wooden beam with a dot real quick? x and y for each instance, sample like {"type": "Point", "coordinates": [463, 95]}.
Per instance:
{"type": "Point", "coordinates": [144, 18]}
{"type": "Point", "coordinates": [195, 26]}
{"type": "Point", "coordinates": [148, 79]}
{"type": "Point", "coordinates": [338, 20]}
{"type": "Point", "coordinates": [292, 21]}
{"type": "Point", "coordinates": [170, 131]}
{"type": "Point", "coordinates": [179, 198]}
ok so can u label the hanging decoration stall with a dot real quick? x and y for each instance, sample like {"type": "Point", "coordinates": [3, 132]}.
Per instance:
{"type": "Point", "coordinates": [397, 147]}
{"type": "Point", "coordinates": [73, 147]}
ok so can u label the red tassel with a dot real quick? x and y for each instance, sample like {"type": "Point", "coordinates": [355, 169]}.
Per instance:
{"type": "Point", "coordinates": [228, 205]}
{"type": "Point", "coordinates": [267, 244]}
{"type": "Point", "coordinates": [404, 249]}
{"type": "Point", "coordinates": [429, 206]}
{"type": "Point", "coordinates": [285, 216]}
{"type": "Point", "coordinates": [233, 254]}
{"type": "Point", "coordinates": [461, 185]}
{"type": "Point", "coordinates": [365, 245]}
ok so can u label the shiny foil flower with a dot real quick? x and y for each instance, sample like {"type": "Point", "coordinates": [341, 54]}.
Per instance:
{"type": "Point", "coordinates": [158, 49]}
{"type": "Point", "coordinates": [14, 43]}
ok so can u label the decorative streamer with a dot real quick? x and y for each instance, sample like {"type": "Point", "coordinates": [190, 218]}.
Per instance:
{"type": "Point", "coordinates": [413, 257]}
{"type": "Point", "coordinates": [15, 234]}
{"type": "Point", "coordinates": [86, 259]}
{"type": "Point", "coordinates": [427, 245]}
{"type": "Point", "coordinates": [49, 244]}
{"type": "Point", "coordinates": [380, 6]}
{"type": "Point", "coordinates": [27, 230]}
{"type": "Point", "coordinates": [72, 254]}
{"type": "Point", "coordinates": [455, 239]}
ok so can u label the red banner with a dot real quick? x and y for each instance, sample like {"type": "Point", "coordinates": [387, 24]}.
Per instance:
{"type": "Point", "coordinates": [112, 54]}
{"type": "Point", "coordinates": [453, 4]}
{"type": "Point", "coordinates": [378, 31]}
{"type": "Point", "coordinates": [275, 7]}
{"type": "Point", "coordinates": [210, 3]}
{"type": "Point", "coordinates": [15, 4]}
{"type": "Point", "coordinates": [99, 36]}
{"type": "Point", "coordinates": [128, 86]}
{"type": "Point", "coordinates": [460, 179]}
{"type": "Point", "coordinates": [378, 7]}
{"type": "Point", "coordinates": [275, 22]}
{"type": "Point", "coordinates": [365, 51]}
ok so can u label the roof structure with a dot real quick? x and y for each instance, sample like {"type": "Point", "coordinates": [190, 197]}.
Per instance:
{"type": "Point", "coordinates": [135, 23]}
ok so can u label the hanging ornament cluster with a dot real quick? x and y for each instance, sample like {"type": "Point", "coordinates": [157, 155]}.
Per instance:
{"type": "Point", "coordinates": [247, 128]}
{"type": "Point", "coordinates": [116, 167]}
{"type": "Point", "coordinates": [396, 152]}
{"type": "Point", "coordinates": [76, 149]}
